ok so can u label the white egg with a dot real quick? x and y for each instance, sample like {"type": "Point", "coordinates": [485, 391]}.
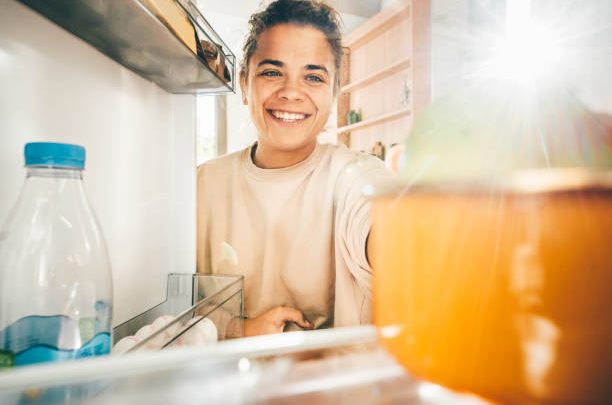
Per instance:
{"type": "Point", "coordinates": [162, 321]}
{"type": "Point", "coordinates": [202, 333]}
{"type": "Point", "coordinates": [171, 331]}
{"type": "Point", "coordinates": [144, 332]}
{"type": "Point", "coordinates": [125, 344]}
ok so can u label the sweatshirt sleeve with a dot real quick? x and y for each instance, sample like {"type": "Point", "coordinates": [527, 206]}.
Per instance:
{"type": "Point", "coordinates": [352, 226]}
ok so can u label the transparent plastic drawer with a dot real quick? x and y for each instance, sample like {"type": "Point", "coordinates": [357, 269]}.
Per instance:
{"type": "Point", "coordinates": [196, 307]}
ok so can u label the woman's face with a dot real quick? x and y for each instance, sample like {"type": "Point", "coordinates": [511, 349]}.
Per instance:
{"type": "Point", "coordinates": [289, 88]}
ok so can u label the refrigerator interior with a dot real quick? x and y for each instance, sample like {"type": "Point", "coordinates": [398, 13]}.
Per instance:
{"type": "Point", "coordinates": [140, 168]}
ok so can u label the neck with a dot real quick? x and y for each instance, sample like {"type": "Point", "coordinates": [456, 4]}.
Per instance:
{"type": "Point", "coordinates": [268, 158]}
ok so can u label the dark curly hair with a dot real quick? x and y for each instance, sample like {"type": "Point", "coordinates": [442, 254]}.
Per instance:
{"type": "Point", "coordinates": [300, 12]}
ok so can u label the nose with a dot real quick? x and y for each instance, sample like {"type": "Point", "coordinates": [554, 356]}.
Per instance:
{"type": "Point", "coordinates": [290, 91]}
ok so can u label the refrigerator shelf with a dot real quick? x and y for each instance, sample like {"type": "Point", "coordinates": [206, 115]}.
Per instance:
{"type": "Point", "coordinates": [341, 365]}
{"type": "Point", "coordinates": [190, 299]}
{"type": "Point", "coordinates": [132, 33]}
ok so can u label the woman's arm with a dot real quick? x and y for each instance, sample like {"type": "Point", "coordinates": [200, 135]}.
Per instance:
{"type": "Point", "coordinates": [353, 233]}
{"type": "Point", "coordinates": [274, 321]}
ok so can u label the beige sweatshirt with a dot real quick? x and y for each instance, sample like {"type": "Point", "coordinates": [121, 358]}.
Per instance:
{"type": "Point", "coordinates": [299, 232]}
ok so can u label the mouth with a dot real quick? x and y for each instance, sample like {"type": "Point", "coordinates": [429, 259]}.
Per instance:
{"type": "Point", "coordinates": [288, 117]}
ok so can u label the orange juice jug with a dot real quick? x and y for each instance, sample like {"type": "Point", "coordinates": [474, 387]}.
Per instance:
{"type": "Point", "coordinates": [493, 262]}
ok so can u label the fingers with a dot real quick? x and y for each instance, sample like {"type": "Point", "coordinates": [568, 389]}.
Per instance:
{"type": "Point", "coordinates": [287, 314]}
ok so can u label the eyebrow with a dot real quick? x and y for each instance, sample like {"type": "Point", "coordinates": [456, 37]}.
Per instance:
{"type": "Point", "coordinates": [279, 63]}
{"type": "Point", "coordinates": [274, 62]}
{"type": "Point", "coordinates": [317, 67]}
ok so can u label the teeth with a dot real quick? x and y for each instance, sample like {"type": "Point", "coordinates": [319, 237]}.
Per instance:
{"type": "Point", "coordinates": [285, 116]}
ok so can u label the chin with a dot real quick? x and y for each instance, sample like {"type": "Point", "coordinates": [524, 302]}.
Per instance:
{"type": "Point", "coordinates": [290, 146]}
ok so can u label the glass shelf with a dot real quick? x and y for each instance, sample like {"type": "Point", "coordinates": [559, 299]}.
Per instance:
{"type": "Point", "coordinates": [341, 365]}
{"type": "Point", "coordinates": [131, 33]}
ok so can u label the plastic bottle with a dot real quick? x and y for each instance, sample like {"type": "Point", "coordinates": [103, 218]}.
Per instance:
{"type": "Point", "coordinates": [55, 278]}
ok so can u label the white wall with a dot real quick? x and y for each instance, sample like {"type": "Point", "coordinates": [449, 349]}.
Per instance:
{"type": "Point", "coordinates": [589, 69]}
{"type": "Point", "coordinates": [140, 173]}
{"type": "Point", "coordinates": [449, 45]}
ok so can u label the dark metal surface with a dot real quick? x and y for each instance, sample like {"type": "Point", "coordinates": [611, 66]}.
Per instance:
{"type": "Point", "coordinates": [128, 33]}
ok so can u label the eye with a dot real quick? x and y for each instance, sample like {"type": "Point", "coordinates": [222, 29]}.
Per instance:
{"type": "Point", "coordinates": [314, 78]}
{"type": "Point", "coordinates": [270, 73]}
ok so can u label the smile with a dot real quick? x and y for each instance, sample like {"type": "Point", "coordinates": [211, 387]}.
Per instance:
{"type": "Point", "coordinates": [288, 117]}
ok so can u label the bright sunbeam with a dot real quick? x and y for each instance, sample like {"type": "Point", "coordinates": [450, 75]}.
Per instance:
{"type": "Point", "coordinates": [509, 94]}
{"type": "Point", "coordinates": [529, 49]}
{"type": "Point", "coordinates": [527, 55]}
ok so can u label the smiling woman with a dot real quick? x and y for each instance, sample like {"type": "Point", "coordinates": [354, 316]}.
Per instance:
{"type": "Point", "coordinates": [289, 92]}
{"type": "Point", "coordinates": [291, 208]}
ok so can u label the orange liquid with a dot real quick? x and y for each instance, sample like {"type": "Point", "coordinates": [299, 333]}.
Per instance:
{"type": "Point", "coordinates": [506, 296]}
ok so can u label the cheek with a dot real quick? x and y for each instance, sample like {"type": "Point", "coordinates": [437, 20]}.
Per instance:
{"type": "Point", "coordinates": [259, 96]}
{"type": "Point", "coordinates": [325, 103]}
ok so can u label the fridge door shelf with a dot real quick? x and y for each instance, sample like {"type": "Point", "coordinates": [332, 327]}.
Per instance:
{"type": "Point", "coordinates": [191, 299]}
{"type": "Point", "coordinates": [133, 34]}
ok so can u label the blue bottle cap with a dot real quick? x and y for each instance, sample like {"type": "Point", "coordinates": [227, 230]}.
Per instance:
{"type": "Point", "coordinates": [49, 154]}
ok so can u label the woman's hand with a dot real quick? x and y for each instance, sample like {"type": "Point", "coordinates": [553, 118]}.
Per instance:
{"type": "Point", "coordinates": [274, 320]}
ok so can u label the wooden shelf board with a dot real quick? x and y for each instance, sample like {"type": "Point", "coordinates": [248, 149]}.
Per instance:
{"type": "Point", "coordinates": [377, 24]}
{"type": "Point", "coordinates": [404, 112]}
{"type": "Point", "coordinates": [377, 76]}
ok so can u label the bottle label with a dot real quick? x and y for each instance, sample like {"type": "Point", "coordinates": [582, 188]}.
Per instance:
{"type": "Point", "coordinates": [7, 359]}
{"type": "Point", "coordinates": [38, 339]}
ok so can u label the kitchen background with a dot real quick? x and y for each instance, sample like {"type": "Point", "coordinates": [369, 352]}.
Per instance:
{"type": "Point", "coordinates": [143, 143]}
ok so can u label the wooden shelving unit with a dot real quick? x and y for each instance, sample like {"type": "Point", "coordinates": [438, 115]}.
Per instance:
{"type": "Point", "coordinates": [385, 75]}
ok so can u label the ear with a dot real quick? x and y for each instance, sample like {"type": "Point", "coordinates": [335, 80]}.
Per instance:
{"type": "Point", "coordinates": [243, 88]}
